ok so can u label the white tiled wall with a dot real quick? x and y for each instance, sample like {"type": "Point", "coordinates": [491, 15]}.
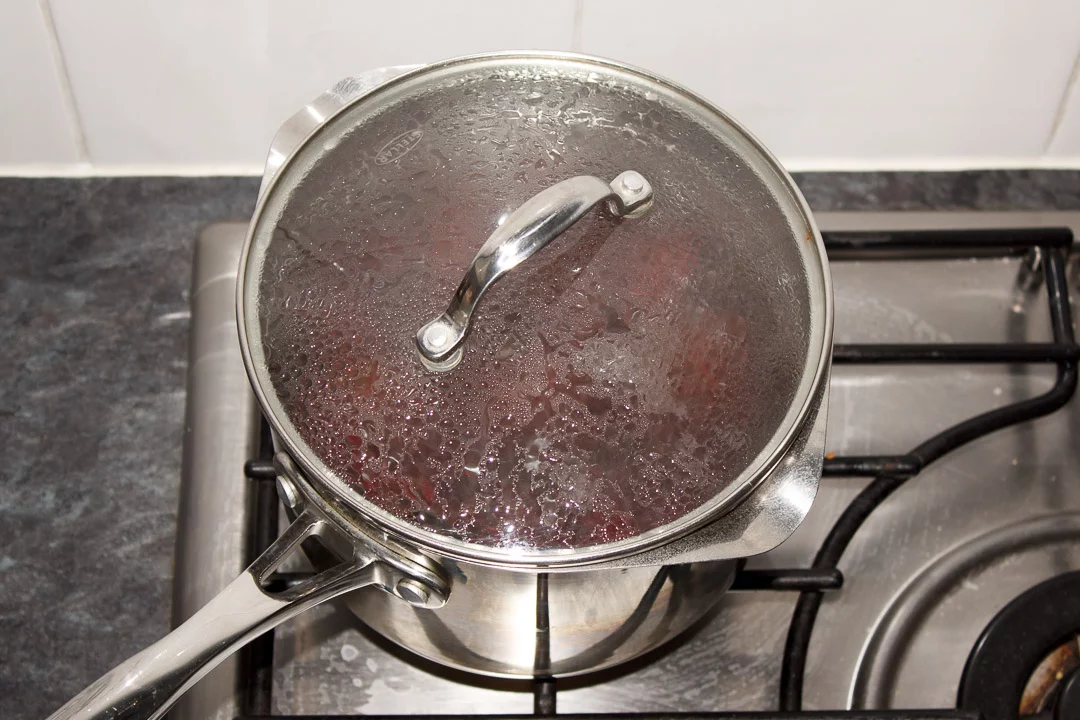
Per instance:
{"type": "Point", "coordinates": [1065, 140]}
{"type": "Point", "coordinates": [862, 81]}
{"type": "Point", "coordinates": [207, 82]}
{"type": "Point", "coordinates": [35, 126]}
{"type": "Point", "coordinates": [201, 85]}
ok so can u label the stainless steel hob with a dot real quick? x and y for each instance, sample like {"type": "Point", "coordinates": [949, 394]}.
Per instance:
{"type": "Point", "coordinates": [922, 578]}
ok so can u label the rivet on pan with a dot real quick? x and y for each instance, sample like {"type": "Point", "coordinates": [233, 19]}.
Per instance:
{"type": "Point", "coordinates": [287, 493]}
{"type": "Point", "coordinates": [412, 592]}
{"type": "Point", "coordinates": [633, 182]}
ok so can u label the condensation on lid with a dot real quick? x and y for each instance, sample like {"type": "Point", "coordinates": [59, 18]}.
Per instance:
{"type": "Point", "coordinates": [622, 378]}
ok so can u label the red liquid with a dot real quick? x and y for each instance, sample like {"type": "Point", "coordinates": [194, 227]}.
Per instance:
{"type": "Point", "coordinates": [617, 380]}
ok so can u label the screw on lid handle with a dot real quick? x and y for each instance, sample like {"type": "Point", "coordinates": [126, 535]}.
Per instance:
{"type": "Point", "coordinates": [532, 226]}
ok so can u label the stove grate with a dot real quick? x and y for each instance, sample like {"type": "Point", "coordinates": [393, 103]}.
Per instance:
{"type": "Point", "coordinates": [1044, 251]}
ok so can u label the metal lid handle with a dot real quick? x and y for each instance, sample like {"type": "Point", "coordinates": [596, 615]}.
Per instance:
{"type": "Point", "coordinates": [532, 226]}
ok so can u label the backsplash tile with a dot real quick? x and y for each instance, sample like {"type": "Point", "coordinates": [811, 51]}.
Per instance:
{"type": "Point", "coordinates": [35, 129]}
{"type": "Point", "coordinates": [1066, 140]}
{"type": "Point", "coordinates": [851, 80]}
{"type": "Point", "coordinates": [202, 85]}
{"type": "Point", "coordinates": [207, 83]}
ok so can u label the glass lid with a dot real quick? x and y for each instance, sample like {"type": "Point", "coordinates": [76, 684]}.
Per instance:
{"type": "Point", "coordinates": [528, 307]}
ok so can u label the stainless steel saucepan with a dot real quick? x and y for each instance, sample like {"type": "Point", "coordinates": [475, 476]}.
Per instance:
{"type": "Point", "coordinates": [539, 454]}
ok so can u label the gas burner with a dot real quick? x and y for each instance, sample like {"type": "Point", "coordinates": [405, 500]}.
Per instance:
{"type": "Point", "coordinates": [1055, 683]}
{"type": "Point", "coordinates": [1041, 630]}
{"type": "Point", "coordinates": [919, 646]}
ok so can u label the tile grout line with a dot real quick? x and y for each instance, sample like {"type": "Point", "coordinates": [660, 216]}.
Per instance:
{"type": "Point", "coordinates": [579, 13]}
{"type": "Point", "coordinates": [67, 94]}
{"type": "Point", "coordinates": [1073, 83]}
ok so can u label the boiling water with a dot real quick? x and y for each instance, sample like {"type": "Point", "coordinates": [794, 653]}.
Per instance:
{"type": "Point", "coordinates": [614, 382]}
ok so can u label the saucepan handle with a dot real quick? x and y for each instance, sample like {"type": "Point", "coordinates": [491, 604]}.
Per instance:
{"type": "Point", "coordinates": [528, 229]}
{"type": "Point", "coordinates": [147, 685]}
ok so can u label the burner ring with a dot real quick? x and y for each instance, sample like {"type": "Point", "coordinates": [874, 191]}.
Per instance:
{"type": "Point", "coordinates": [1015, 642]}
{"type": "Point", "coordinates": [889, 641]}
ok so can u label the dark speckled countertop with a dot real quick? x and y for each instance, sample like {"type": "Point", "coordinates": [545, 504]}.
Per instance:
{"type": "Point", "coordinates": [93, 331]}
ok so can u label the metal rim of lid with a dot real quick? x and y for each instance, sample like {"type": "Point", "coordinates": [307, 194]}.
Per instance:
{"type": "Point", "coordinates": [815, 371]}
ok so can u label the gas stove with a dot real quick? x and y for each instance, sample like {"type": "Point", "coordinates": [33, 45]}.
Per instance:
{"type": "Point", "coordinates": [938, 568]}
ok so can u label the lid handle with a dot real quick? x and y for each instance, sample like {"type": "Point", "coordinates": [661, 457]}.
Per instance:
{"type": "Point", "coordinates": [532, 226]}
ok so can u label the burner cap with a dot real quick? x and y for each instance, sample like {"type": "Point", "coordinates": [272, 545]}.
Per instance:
{"type": "Point", "coordinates": [1036, 628]}
{"type": "Point", "coordinates": [1068, 702]}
